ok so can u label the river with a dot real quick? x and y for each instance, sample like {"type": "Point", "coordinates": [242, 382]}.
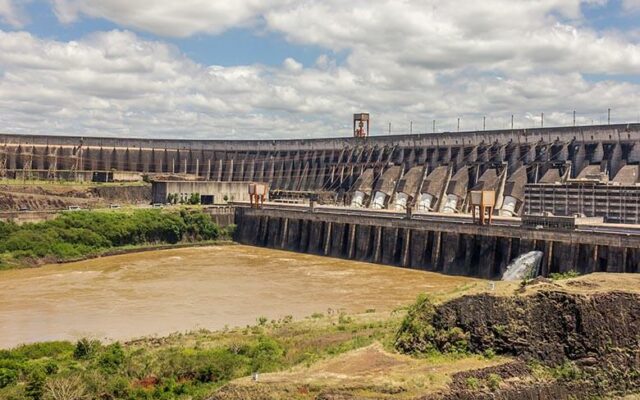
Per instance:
{"type": "Point", "coordinates": [160, 292]}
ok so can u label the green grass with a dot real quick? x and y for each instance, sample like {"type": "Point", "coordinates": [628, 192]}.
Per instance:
{"type": "Point", "coordinates": [558, 276]}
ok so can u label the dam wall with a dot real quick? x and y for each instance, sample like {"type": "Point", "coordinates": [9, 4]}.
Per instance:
{"type": "Point", "coordinates": [445, 247]}
{"type": "Point", "coordinates": [331, 163]}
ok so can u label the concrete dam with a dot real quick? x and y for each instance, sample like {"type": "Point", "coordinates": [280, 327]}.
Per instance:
{"type": "Point", "coordinates": [435, 243]}
{"type": "Point", "coordinates": [571, 192]}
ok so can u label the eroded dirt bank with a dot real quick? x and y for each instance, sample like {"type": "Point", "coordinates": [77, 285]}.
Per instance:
{"type": "Point", "coordinates": [54, 197]}
{"type": "Point", "coordinates": [554, 340]}
{"type": "Point", "coordinates": [571, 345]}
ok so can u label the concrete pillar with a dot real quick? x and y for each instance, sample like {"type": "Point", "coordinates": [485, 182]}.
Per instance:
{"type": "Point", "coordinates": [406, 249]}
{"type": "Point", "coordinates": [378, 245]}
{"type": "Point", "coordinates": [352, 241]}
{"type": "Point", "coordinates": [435, 253]}
{"type": "Point", "coordinates": [285, 233]}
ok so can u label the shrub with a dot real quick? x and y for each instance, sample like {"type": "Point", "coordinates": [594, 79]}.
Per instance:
{"type": "Point", "coordinates": [489, 353]}
{"type": "Point", "coordinates": [7, 377]}
{"type": "Point", "coordinates": [34, 389]}
{"type": "Point", "coordinates": [265, 355]}
{"type": "Point", "coordinates": [41, 350]}
{"type": "Point", "coordinates": [453, 340]}
{"type": "Point", "coordinates": [473, 383]}
{"type": "Point", "coordinates": [86, 348]}
{"type": "Point", "coordinates": [65, 388]}
{"type": "Point", "coordinates": [111, 358]}
{"type": "Point", "coordinates": [493, 382]}
{"type": "Point", "coordinates": [416, 334]}
{"type": "Point", "coordinates": [558, 276]}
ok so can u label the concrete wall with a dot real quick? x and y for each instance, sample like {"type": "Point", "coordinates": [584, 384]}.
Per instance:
{"type": "Point", "coordinates": [234, 191]}
{"type": "Point", "coordinates": [458, 249]}
{"type": "Point", "coordinates": [335, 164]}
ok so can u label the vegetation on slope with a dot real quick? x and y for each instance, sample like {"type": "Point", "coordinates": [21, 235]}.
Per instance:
{"type": "Point", "coordinates": [181, 366]}
{"type": "Point", "coordinates": [79, 234]}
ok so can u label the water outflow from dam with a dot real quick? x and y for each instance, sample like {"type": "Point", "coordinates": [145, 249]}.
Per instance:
{"type": "Point", "coordinates": [525, 266]}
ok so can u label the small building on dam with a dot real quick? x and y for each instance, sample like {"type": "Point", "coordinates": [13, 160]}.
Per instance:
{"type": "Point", "coordinates": [208, 192]}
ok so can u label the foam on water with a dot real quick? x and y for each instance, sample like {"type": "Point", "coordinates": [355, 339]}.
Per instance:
{"type": "Point", "coordinates": [525, 266]}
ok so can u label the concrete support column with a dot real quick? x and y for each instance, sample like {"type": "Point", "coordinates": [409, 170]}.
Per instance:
{"type": "Point", "coordinates": [285, 233]}
{"type": "Point", "coordinates": [377, 250]}
{"type": "Point", "coordinates": [549, 256]}
{"type": "Point", "coordinates": [352, 241]}
{"type": "Point", "coordinates": [435, 253]}
{"type": "Point", "coordinates": [406, 248]}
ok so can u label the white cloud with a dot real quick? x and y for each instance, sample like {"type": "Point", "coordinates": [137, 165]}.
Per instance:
{"type": "Point", "coordinates": [400, 61]}
{"type": "Point", "coordinates": [168, 18]}
{"type": "Point", "coordinates": [11, 13]}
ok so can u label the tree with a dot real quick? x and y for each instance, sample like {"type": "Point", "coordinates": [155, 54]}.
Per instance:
{"type": "Point", "coordinates": [35, 385]}
{"type": "Point", "coordinates": [63, 388]}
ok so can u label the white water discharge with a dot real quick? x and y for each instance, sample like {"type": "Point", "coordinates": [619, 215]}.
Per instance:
{"type": "Point", "coordinates": [358, 200]}
{"type": "Point", "coordinates": [401, 201]}
{"type": "Point", "coordinates": [378, 200]}
{"type": "Point", "coordinates": [424, 202]}
{"type": "Point", "coordinates": [451, 205]}
{"type": "Point", "coordinates": [524, 266]}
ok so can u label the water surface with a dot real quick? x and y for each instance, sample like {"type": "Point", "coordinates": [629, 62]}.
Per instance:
{"type": "Point", "coordinates": [160, 292]}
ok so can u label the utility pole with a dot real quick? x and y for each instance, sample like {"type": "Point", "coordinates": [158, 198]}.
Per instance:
{"type": "Point", "coordinates": [484, 123]}
{"type": "Point", "coordinates": [511, 121]}
{"type": "Point", "coordinates": [389, 128]}
{"type": "Point", "coordinates": [541, 120]}
{"type": "Point", "coordinates": [574, 117]}
{"type": "Point", "coordinates": [410, 127]}
{"type": "Point", "coordinates": [434, 126]}
{"type": "Point", "coordinates": [458, 124]}
{"type": "Point", "coordinates": [608, 116]}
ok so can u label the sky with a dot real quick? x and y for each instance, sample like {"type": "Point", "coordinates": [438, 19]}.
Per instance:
{"type": "Point", "coordinates": [261, 69]}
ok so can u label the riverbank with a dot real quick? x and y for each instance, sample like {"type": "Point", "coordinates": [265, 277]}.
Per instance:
{"type": "Point", "coordinates": [569, 339]}
{"type": "Point", "coordinates": [458, 344]}
{"type": "Point", "coordinates": [81, 235]}
{"type": "Point", "coordinates": [124, 250]}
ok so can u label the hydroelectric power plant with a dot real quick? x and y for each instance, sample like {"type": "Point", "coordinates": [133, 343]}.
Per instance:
{"type": "Point", "coordinates": [571, 193]}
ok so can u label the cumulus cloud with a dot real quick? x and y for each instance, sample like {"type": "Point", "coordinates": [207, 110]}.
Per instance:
{"type": "Point", "coordinates": [169, 18]}
{"type": "Point", "coordinates": [402, 61]}
{"type": "Point", "coordinates": [11, 13]}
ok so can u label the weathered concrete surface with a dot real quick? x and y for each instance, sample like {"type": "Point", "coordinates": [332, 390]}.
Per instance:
{"type": "Point", "coordinates": [314, 164]}
{"type": "Point", "coordinates": [450, 248]}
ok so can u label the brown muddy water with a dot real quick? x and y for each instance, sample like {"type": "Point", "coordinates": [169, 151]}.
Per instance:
{"type": "Point", "coordinates": [160, 292]}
